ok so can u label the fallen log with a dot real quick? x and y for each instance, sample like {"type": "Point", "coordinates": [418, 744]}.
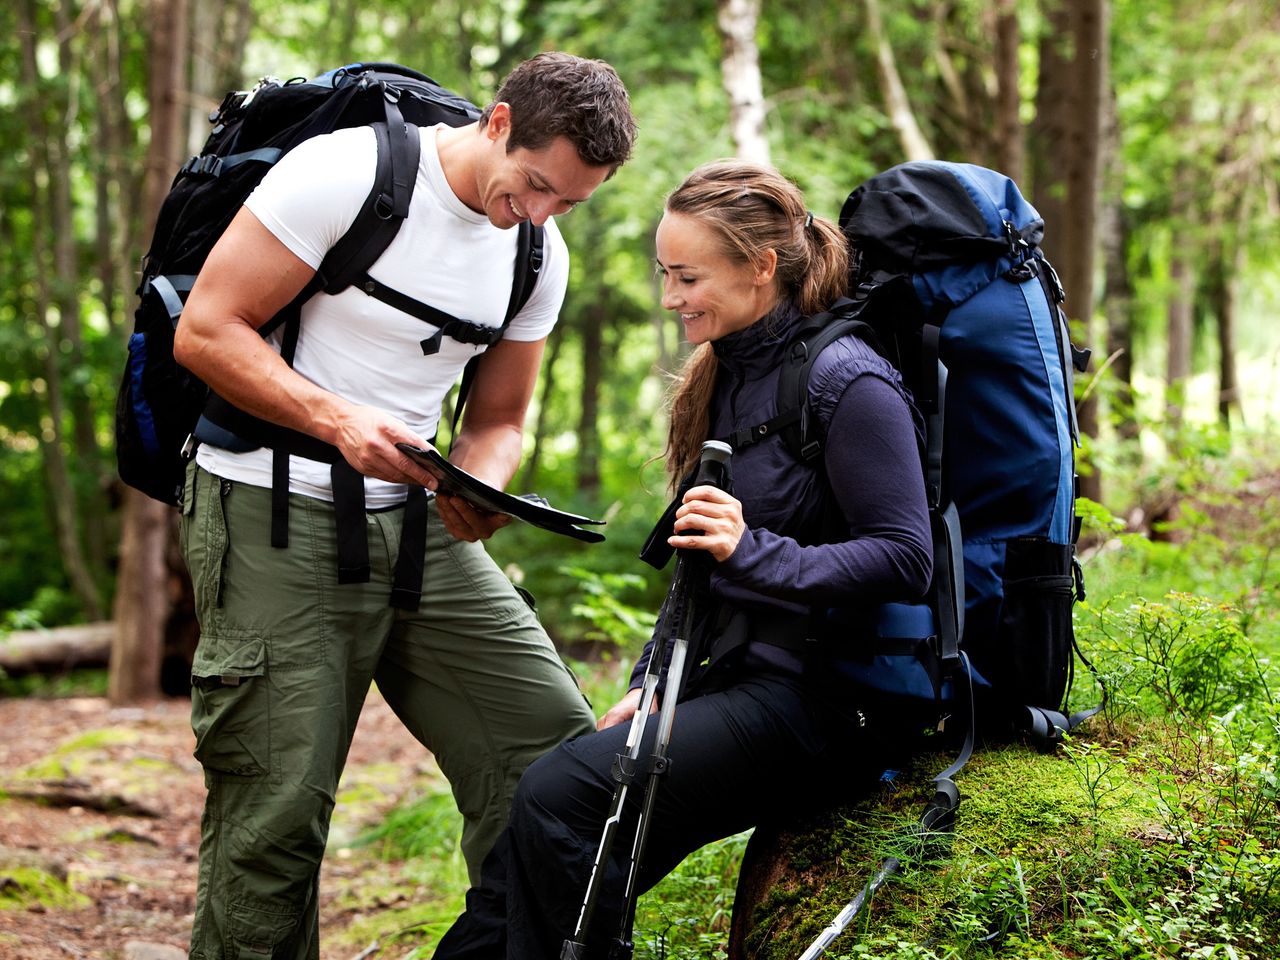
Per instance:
{"type": "Point", "coordinates": [58, 648]}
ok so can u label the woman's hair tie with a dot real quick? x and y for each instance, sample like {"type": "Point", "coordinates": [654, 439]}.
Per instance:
{"type": "Point", "coordinates": [808, 219]}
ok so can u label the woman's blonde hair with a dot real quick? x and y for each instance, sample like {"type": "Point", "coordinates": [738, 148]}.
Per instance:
{"type": "Point", "coordinates": [751, 208]}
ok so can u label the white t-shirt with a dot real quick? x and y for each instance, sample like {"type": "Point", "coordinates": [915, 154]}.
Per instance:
{"type": "Point", "coordinates": [445, 255]}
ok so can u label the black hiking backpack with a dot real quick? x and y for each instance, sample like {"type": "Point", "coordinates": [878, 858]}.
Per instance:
{"type": "Point", "coordinates": [160, 404]}
{"type": "Point", "coordinates": [949, 284]}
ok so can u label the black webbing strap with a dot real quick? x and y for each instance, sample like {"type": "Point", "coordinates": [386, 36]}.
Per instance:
{"type": "Point", "coordinates": [932, 400]}
{"type": "Point", "coordinates": [349, 518]}
{"type": "Point", "coordinates": [464, 331]}
{"type": "Point", "coordinates": [387, 204]}
{"type": "Point", "coordinates": [406, 586]}
{"type": "Point", "coordinates": [375, 226]}
{"type": "Point", "coordinates": [794, 418]}
{"type": "Point", "coordinates": [280, 456]}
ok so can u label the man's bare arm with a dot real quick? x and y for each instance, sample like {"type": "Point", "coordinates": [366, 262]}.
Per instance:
{"type": "Point", "coordinates": [248, 278]}
{"type": "Point", "coordinates": [490, 443]}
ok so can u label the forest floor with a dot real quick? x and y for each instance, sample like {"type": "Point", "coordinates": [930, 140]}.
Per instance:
{"type": "Point", "coordinates": [100, 830]}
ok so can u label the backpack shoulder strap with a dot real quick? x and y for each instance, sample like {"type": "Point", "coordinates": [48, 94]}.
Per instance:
{"type": "Point", "coordinates": [384, 209]}
{"type": "Point", "coordinates": [794, 418]}
{"type": "Point", "coordinates": [377, 222]}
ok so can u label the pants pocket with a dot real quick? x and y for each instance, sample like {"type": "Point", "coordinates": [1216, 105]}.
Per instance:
{"type": "Point", "coordinates": [1034, 640]}
{"type": "Point", "coordinates": [231, 706]}
{"type": "Point", "coordinates": [205, 539]}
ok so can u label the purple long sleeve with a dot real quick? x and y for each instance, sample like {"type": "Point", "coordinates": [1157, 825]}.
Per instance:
{"type": "Point", "coordinates": [874, 471]}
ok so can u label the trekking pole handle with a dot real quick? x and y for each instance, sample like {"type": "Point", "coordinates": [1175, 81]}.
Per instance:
{"type": "Point", "coordinates": [713, 465]}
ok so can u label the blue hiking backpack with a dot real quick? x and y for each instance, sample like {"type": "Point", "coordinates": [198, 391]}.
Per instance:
{"type": "Point", "coordinates": [949, 283]}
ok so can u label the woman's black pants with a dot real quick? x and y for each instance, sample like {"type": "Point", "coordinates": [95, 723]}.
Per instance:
{"type": "Point", "coordinates": [764, 748]}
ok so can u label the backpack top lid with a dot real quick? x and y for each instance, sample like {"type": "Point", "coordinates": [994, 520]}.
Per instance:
{"type": "Point", "coordinates": [405, 81]}
{"type": "Point", "coordinates": [919, 218]}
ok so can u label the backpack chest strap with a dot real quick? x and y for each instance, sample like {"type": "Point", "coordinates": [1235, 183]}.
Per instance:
{"type": "Point", "coordinates": [464, 331]}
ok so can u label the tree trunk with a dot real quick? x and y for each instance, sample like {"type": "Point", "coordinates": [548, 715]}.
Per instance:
{"type": "Point", "coordinates": [1084, 175]}
{"type": "Point", "coordinates": [1181, 301]}
{"type": "Point", "coordinates": [740, 69]}
{"type": "Point", "coordinates": [1009, 138]}
{"type": "Point", "coordinates": [202, 92]}
{"type": "Point", "coordinates": [592, 377]}
{"type": "Point", "coordinates": [965, 113]}
{"type": "Point", "coordinates": [1232, 263]}
{"type": "Point", "coordinates": [914, 144]}
{"type": "Point", "coordinates": [1050, 128]}
{"type": "Point", "coordinates": [1117, 286]}
{"type": "Point", "coordinates": [1069, 115]}
{"type": "Point", "coordinates": [44, 172]}
{"type": "Point", "coordinates": [56, 650]}
{"type": "Point", "coordinates": [143, 598]}
{"type": "Point", "coordinates": [556, 340]}
{"type": "Point", "coordinates": [67, 283]}
{"type": "Point", "coordinates": [236, 23]}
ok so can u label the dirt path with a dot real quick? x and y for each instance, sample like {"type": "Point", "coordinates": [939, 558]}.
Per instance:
{"type": "Point", "coordinates": [131, 868]}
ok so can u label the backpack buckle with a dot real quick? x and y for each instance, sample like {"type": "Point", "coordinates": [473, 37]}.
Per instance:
{"type": "Point", "coordinates": [200, 166]}
{"type": "Point", "coordinates": [810, 449]}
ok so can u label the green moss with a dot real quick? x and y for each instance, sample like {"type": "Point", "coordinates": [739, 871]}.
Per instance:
{"type": "Point", "coordinates": [23, 887]}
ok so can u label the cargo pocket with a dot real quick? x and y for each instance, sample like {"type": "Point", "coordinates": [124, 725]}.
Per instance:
{"type": "Point", "coordinates": [258, 928]}
{"type": "Point", "coordinates": [1035, 634]}
{"type": "Point", "coordinates": [230, 706]}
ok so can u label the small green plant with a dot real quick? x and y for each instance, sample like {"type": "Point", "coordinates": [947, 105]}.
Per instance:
{"type": "Point", "coordinates": [605, 605]}
{"type": "Point", "coordinates": [1185, 653]}
{"type": "Point", "coordinates": [686, 916]}
{"type": "Point", "coordinates": [1094, 765]}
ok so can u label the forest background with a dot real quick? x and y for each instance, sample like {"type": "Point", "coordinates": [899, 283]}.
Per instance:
{"type": "Point", "coordinates": [1146, 133]}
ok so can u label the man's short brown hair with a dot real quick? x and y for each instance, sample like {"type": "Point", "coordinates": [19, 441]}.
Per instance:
{"type": "Point", "coordinates": [560, 95]}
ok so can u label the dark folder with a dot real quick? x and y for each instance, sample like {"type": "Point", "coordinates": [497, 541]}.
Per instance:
{"type": "Point", "coordinates": [530, 507]}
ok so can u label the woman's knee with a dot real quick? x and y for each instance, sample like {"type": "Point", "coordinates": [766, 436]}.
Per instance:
{"type": "Point", "coordinates": [564, 788]}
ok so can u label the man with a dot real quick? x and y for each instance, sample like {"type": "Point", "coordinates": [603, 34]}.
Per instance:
{"type": "Point", "coordinates": [287, 651]}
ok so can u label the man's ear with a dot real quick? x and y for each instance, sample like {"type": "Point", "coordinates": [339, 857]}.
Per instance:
{"type": "Point", "coordinates": [766, 267]}
{"type": "Point", "coordinates": [499, 123]}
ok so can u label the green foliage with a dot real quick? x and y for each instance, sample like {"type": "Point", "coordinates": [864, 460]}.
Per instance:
{"type": "Point", "coordinates": [1185, 655]}
{"type": "Point", "coordinates": [425, 831]}
{"type": "Point", "coordinates": [686, 916]}
{"type": "Point", "coordinates": [613, 621]}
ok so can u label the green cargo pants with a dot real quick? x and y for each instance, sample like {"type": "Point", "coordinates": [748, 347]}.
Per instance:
{"type": "Point", "coordinates": [285, 660]}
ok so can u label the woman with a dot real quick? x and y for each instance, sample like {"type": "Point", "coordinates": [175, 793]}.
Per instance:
{"type": "Point", "coordinates": [763, 723]}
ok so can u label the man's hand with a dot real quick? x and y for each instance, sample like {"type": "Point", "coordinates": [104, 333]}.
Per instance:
{"type": "Point", "coordinates": [465, 521]}
{"type": "Point", "coordinates": [624, 709]}
{"type": "Point", "coordinates": [367, 438]}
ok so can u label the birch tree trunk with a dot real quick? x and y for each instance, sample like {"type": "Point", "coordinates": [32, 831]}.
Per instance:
{"type": "Point", "coordinates": [740, 69]}
{"type": "Point", "coordinates": [914, 144]}
{"type": "Point", "coordinates": [143, 600]}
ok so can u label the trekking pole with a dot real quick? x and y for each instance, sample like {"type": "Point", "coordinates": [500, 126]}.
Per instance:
{"type": "Point", "coordinates": [713, 469]}
{"type": "Point", "coordinates": [938, 816]}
